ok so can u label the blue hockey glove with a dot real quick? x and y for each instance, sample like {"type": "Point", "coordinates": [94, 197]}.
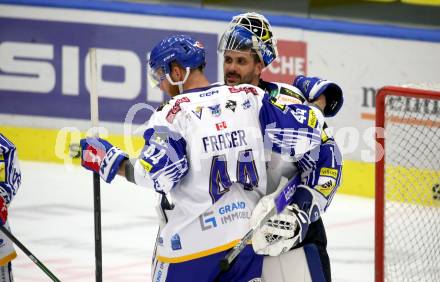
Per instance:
{"type": "Point", "coordinates": [10, 174]}
{"type": "Point", "coordinates": [313, 87]}
{"type": "Point", "coordinates": [100, 156]}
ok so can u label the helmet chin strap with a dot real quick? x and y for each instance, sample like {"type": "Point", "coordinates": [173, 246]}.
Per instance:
{"type": "Point", "coordinates": [179, 83]}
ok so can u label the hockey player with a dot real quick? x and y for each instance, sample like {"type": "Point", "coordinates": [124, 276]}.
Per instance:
{"type": "Point", "coordinates": [10, 180]}
{"type": "Point", "coordinates": [205, 149]}
{"type": "Point", "coordinates": [248, 47]}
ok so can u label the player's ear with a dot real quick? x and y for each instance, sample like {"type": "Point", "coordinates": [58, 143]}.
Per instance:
{"type": "Point", "coordinates": [177, 72]}
{"type": "Point", "coordinates": [259, 68]}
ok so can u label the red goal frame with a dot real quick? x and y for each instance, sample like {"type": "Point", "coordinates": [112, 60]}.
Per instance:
{"type": "Point", "coordinates": [380, 166]}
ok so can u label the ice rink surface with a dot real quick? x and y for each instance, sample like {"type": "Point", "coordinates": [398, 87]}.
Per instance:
{"type": "Point", "coordinates": [52, 215]}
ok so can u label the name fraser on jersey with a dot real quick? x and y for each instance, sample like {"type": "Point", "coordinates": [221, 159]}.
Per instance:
{"type": "Point", "coordinates": [225, 140]}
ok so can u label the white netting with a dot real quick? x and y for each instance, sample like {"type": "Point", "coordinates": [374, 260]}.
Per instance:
{"type": "Point", "coordinates": [412, 187]}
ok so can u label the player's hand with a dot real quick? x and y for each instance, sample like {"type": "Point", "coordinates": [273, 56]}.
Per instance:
{"type": "Point", "coordinates": [282, 232]}
{"type": "Point", "coordinates": [3, 211]}
{"type": "Point", "coordinates": [100, 156]}
{"type": "Point", "coordinates": [313, 87]}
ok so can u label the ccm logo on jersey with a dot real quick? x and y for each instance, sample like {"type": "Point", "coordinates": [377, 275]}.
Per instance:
{"type": "Point", "coordinates": [176, 108]}
{"type": "Point", "coordinates": [207, 94]}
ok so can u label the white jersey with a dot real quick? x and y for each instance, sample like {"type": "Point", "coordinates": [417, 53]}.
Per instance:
{"type": "Point", "coordinates": [206, 148]}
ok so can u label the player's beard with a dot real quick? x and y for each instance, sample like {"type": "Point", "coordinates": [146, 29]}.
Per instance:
{"type": "Point", "coordinates": [234, 78]}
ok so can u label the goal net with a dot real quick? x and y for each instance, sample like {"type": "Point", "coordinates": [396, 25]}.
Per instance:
{"type": "Point", "coordinates": [407, 219]}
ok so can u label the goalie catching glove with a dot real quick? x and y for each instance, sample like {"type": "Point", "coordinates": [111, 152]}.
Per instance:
{"type": "Point", "coordinates": [287, 229]}
{"type": "Point", "coordinates": [100, 156]}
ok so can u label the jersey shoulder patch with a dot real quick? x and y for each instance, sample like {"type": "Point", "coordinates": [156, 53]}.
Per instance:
{"type": "Point", "coordinates": [175, 105]}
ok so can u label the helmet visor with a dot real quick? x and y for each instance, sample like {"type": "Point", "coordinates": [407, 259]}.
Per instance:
{"type": "Point", "coordinates": [155, 76]}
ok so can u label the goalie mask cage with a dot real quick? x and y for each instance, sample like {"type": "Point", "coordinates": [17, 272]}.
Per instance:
{"type": "Point", "coordinates": [407, 206]}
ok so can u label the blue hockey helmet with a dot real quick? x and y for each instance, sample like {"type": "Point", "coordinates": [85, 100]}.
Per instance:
{"type": "Point", "coordinates": [313, 87]}
{"type": "Point", "coordinates": [250, 31]}
{"type": "Point", "coordinates": [182, 49]}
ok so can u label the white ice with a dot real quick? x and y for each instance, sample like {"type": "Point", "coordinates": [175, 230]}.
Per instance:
{"type": "Point", "coordinates": [52, 215]}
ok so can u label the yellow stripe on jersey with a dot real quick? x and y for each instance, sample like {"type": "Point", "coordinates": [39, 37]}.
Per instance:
{"type": "Point", "coordinates": [199, 254]}
{"type": "Point", "coordinates": [4, 260]}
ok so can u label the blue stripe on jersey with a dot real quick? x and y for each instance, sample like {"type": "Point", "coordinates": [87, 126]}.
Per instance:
{"type": "Point", "coordinates": [164, 156]}
{"type": "Point", "coordinates": [288, 129]}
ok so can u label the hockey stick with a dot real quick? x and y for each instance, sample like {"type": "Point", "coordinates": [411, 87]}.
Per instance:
{"type": "Point", "coordinates": [280, 202]}
{"type": "Point", "coordinates": [94, 114]}
{"type": "Point", "coordinates": [29, 254]}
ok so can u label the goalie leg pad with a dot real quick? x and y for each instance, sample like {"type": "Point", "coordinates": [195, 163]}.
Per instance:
{"type": "Point", "coordinates": [301, 264]}
{"type": "Point", "coordinates": [290, 266]}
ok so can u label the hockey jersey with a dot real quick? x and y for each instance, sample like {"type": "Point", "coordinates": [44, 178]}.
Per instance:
{"type": "Point", "coordinates": [320, 168]}
{"type": "Point", "coordinates": [206, 149]}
